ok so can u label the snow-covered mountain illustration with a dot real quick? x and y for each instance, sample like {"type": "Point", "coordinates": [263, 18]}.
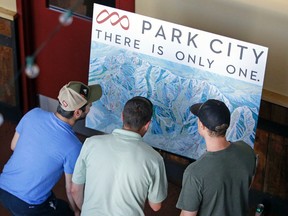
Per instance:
{"type": "Point", "coordinates": [172, 88]}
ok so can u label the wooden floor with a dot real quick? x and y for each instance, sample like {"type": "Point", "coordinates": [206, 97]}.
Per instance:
{"type": "Point", "coordinates": [273, 206]}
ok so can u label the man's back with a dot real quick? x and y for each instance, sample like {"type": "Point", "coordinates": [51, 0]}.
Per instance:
{"type": "Point", "coordinates": [43, 148]}
{"type": "Point", "coordinates": [219, 182]}
{"type": "Point", "coordinates": [121, 171]}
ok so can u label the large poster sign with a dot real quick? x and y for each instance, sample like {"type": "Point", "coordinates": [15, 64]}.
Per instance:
{"type": "Point", "coordinates": [174, 66]}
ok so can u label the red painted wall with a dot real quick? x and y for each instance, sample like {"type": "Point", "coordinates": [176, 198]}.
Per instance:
{"type": "Point", "coordinates": [64, 57]}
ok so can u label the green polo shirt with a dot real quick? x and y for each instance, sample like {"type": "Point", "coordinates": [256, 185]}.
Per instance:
{"type": "Point", "coordinates": [120, 172]}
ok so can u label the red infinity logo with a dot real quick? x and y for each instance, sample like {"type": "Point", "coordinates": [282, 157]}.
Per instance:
{"type": "Point", "coordinates": [99, 21]}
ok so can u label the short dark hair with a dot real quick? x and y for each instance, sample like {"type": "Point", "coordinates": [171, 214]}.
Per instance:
{"type": "Point", "coordinates": [137, 112]}
{"type": "Point", "coordinates": [68, 114]}
{"type": "Point", "coordinates": [220, 131]}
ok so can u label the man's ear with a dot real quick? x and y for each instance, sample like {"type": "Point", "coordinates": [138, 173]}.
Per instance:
{"type": "Point", "coordinates": [146, 126]}
{"type": "Point", "coordinates": [77, 113]}
{"type": "Point", "coordinates": [201, 125]}
{"type": "Point", "coordinates": [144, 129]}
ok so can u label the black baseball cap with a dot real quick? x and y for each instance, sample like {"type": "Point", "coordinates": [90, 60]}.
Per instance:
{"type": "Point", "coordinates": [212, 113]}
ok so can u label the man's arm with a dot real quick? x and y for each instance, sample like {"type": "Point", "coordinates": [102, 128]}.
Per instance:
{"type": "Point", "coordinates": [68, 182]}
{"type": "Point", "coordinates": [14, 140]}
{"type": "Point", "coordinates": [155, 206]}
{"type": "Point", "coordinates": [255, 170]}
{"type": "Point", "coordinates": [188, 213]}
{"type": "Point", "coordinates": [157, 192]}
{"type": "Point", "coordinates": [78, 194]}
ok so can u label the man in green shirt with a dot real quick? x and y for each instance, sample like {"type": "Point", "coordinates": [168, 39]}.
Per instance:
{"type": "Point", "coordinates": [218, 182]}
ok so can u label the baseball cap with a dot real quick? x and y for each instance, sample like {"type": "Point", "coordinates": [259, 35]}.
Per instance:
{"type": "Point", "coordinates": [75, 95]}
{"type": "Point", "coordinates": [212, 113]}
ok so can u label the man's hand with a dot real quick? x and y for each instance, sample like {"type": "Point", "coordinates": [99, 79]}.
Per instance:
{"type": "Point", "coordinates": [77, 212]}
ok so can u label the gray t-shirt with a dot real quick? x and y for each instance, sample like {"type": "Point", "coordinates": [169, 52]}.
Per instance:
{"type": "Point", "coordinates": [218, 182]}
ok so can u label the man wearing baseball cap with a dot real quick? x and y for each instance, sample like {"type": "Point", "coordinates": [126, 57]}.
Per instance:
{"type": "Point", "coordinates": [218, 182]}
{"type": "Point", "coordinates": [44, 146]}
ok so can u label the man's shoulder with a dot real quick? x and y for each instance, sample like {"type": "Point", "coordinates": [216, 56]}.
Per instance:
{"type": "Point", "coordinates": [197, 164]}
{"type": "Point", "coordinates": [152, 152]}
{"type": "Point", "coordinates": [242, 145]}
{"type": "Point", "coordinates": [98, 140]}
{"type": "Point", "coordinates": [37, 111]}
{"type": "Point", "coordinates": [100, 137]}
{"type": "Point", "coordinates": [35, 114]}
